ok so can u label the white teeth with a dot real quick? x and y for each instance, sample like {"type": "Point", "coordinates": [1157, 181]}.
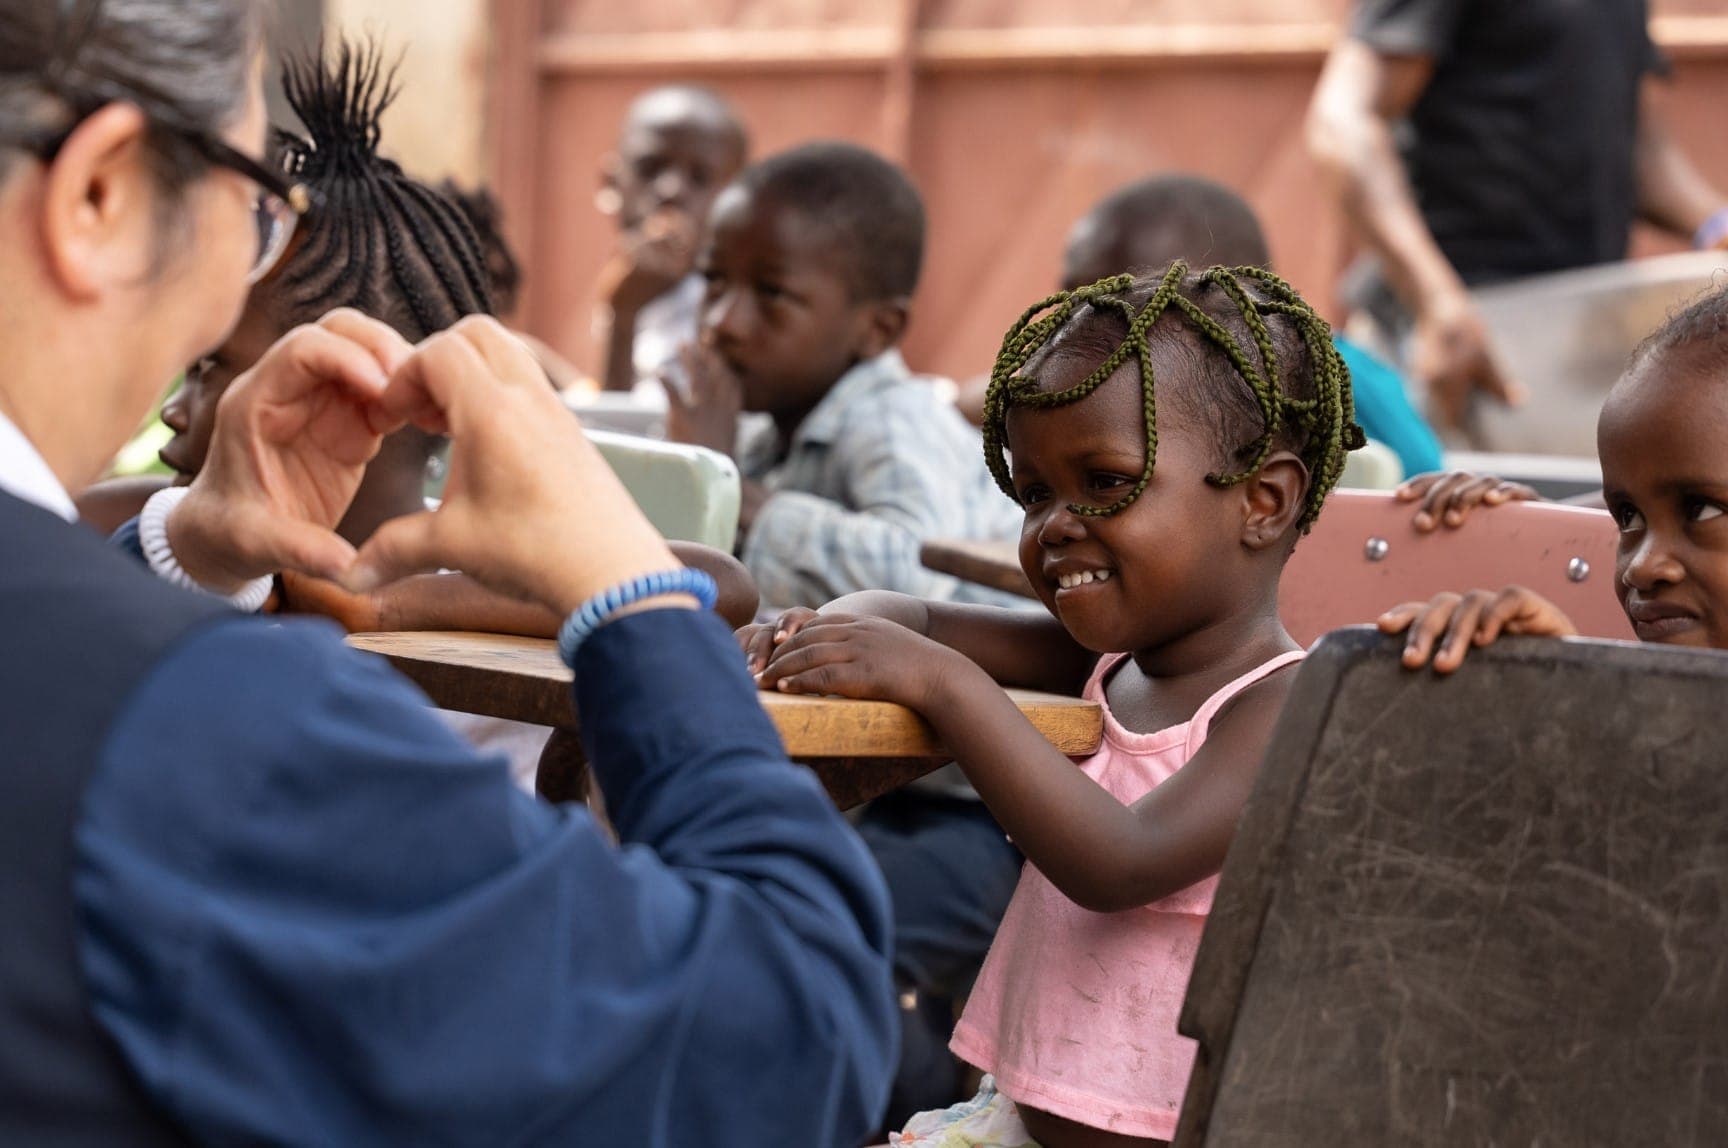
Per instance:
{"type": "Point", "coordinates": [1083, 578]}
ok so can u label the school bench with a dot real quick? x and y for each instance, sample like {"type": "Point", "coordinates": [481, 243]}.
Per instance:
{"type": "Point", "coordinates": [1476, 910]}
{"type": "Point", "coordinates": [859, 749]}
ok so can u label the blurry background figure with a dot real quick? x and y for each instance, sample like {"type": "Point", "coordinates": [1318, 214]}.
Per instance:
{"type": "Point", "coordinates": [678, 148]}
{"type": "Point", "coordinates": [1476, 143]}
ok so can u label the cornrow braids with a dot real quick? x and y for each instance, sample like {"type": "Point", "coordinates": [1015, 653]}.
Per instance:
{"type": "Point", "coordinates": [377, 240]}
{"type": "Point", "coordinates": [1322, 424]}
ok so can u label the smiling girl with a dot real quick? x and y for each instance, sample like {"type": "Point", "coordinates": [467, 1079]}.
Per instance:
{"type": "Point", "coordinates": [1168, 440]}
{"type": "Point", "coordinates": [1663, 441]}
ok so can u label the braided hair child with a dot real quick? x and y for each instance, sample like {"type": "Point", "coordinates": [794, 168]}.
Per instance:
{"type": "Point", "coordinates": [377, 241]}
{"type": "Point", "coordinates": [394, 248]}
{"type": "Point", "coordinates": [1169, 439]}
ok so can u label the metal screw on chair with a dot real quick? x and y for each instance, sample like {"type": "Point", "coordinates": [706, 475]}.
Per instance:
{"type": "Point", "coordinates": [1377, 549]}
{"type": "Point", "coordinates": [1577, 570]}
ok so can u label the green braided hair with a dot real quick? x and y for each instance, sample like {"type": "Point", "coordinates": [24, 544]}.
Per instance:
{"type": "Point", "coordinates": [1322, 426]}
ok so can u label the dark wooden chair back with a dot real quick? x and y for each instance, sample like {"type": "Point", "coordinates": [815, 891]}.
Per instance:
{"type": "Point", "coordinates": [1484, 909]}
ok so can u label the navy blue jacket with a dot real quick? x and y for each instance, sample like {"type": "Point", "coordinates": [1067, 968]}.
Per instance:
{"type": "Point", "coordinates": [308, 913]}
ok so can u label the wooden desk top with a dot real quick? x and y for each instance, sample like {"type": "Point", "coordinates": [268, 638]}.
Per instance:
{"type": "Point", "coordinates": [850, 743]}
{"type": "Point", "coordinates": [992, 564]}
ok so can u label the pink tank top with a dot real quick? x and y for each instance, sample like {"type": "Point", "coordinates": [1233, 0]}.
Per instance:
{"type": "Point", "coordinates": [1075, 1012]}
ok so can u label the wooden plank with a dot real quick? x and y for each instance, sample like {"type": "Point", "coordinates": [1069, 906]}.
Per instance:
{"type": "Point", "coordinates": [900, 87]}
{"type": "Point", "coordinates": [1140, 45]}
{"type": "Point", "coordinates": [522, 679]}
{"type": "Point", "coordinates": [1484, 909]}
{"type": "Point", "coordinates": [514, 121]}
{"type": "Point", "coordinates": [992, 564]}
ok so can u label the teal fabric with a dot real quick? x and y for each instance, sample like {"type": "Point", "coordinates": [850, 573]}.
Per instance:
{"type": "Point", "coordinates": [1384, 410]}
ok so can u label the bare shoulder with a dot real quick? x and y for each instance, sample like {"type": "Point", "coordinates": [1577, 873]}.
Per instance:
{"type": "Point", "coordinates": [1253, 711]}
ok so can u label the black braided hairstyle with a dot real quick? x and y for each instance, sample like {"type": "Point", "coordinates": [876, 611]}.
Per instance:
{"type": "Point", "coordinates": [1300, 391]}
{"type": "Point", "coordinates": [376, 240]}
{"type": "Point", "coordinates": [486, 215]}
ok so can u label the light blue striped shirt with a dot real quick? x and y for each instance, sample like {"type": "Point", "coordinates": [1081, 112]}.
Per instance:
{"type": "Point", "coordinates": [882, 464]}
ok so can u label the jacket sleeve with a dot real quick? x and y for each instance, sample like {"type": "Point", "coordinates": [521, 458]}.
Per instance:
{"type": "Point", "coordinates": [310, 914]}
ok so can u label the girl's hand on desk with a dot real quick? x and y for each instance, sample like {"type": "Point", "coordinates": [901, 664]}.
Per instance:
{"type": "Point", "coordinates": [759, 640]}
{"type": "Point", "coordinates": [865, 658]}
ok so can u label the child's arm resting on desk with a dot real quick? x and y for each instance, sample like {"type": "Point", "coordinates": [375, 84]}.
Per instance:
{"type": "Point", "coordinates": [1019, 648]}
{"type": "Point", "coordinates": [1102, 855]}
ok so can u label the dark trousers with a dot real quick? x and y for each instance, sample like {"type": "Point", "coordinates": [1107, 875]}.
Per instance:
{"type": "Point", "coordinates": [951, 872]}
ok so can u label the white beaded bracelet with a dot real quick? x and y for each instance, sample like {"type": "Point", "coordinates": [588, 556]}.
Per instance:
{"type": "Point", "coordinates": [153, 538]}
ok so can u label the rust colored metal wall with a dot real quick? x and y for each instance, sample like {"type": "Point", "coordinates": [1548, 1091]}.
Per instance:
{"type": "Point", "coordinates": [1014, 116]}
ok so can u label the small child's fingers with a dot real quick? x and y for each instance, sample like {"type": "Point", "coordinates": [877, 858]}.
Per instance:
{"type": "Point", "coordinates": [1502, 614]}
{"type": "Point", "coordinates": [758, 644]}
{"type": "Point", "coordinates": [799, 659]}
{"type": "Point", "coordinates": [1518, 492]}
{"type": "Point", "coordinates": [1398, 618]}
{"type": "Point", "coordinates": [1460, 632]}
{"type": "Point", "coordinates": [1435, 499]}
{"type": "Point", "coordinates": [791, 622]}
{"type": "Point", "coordinates": [1426, 629]}
{"type": "Point", "coordinates": [1466, 496]}
{"type": "Point", "coordinates": [1415, 487]}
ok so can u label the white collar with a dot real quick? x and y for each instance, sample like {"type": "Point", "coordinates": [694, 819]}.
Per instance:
{"type": "Point", "coordinates": [24, 473]}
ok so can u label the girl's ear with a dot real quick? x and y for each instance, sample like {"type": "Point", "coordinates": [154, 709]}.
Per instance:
{"type": "Point", "coordinates": [883, 326]}
{"type": "Point", "coordinates": [1273, 500]}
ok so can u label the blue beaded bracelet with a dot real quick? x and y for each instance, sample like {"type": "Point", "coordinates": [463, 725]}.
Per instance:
{"type": "Point", "coordinates": [594, 612]}
{"type": "Point", "coordinates": [1714, 231]}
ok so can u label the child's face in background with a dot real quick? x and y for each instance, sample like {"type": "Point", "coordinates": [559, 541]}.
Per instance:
{"type": "Point", "coordinates": [675, 166]}
{"type": "Point", "coordinates": [1172, 563]}
{"type": "Point", "coordinates": [191, 411]}
{"type": "Point", "coordinates": [1663, 439]}
{"type": "Point", "coordinates": [779, 307]}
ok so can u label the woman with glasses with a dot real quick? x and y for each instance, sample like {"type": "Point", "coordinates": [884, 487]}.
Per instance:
{"type": "Point", "coordinates": [253, 891]}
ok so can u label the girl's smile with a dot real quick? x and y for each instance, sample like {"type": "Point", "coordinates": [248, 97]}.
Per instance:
{"type": "Point", "coordinates": [1164, 565]}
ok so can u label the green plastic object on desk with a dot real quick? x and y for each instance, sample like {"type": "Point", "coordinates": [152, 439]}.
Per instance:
{"type": "Point", "coordinates": [689, 493]}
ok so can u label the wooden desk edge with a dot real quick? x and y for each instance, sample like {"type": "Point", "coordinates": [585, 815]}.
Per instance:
{"type": "Point", "coordinates": [535, 693]}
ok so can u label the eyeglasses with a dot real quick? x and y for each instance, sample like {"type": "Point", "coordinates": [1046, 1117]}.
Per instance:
{"type": "Point", "coordinates": [281, 201]}
{"type": "Point", "coordinates": [276, 212]}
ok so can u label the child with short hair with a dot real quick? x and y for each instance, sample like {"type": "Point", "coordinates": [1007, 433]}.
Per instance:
{"type": "Point", "coordinates": [811, 261]}
{"type": "Point", "coordinates": [1168, 440]}
{"type": "Point", "coordinates": [678, 147]}
{"type": "Point", "coordinates": [1663, 441]}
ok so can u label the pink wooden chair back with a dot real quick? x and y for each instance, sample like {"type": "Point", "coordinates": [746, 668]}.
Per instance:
{"type": "Point", "coordinates": [1364, 557]}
